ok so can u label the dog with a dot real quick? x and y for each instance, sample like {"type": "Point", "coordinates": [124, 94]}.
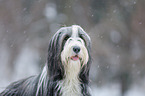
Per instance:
{"type": "Point", "coordinates": [66, 72]}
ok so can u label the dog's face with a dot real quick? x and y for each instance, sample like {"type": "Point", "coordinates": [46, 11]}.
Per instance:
{"type": "Point", "coordinates": [74, 49]}
{"type": "Point", "coordinates": [69, 48]}
{"type": "Point", "coordinates": [74, 56]}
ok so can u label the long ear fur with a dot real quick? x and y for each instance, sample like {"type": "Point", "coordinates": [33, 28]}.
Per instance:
{"type": "Point", "coordinates": [56, 70]}
{"type": "Point", "coordinates": [84, 74]}
{"type": "Point", "coordinates": [44, 85]}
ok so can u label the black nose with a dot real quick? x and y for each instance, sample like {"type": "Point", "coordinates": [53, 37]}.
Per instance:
{"type": "Point", "coordinates": [76, 49]}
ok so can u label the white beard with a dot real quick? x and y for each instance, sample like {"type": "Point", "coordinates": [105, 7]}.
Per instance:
{"type": "Point", "coordinates": [70, 86]}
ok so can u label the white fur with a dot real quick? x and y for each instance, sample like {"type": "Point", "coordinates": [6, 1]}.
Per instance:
{"type": "Point", "coordinates": [70, 86]}
{"type": "Point", "coordinates": [75, 31]}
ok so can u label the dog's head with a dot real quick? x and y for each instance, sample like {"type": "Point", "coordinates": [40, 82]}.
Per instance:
{"type": "Point", "coordinates": [75, 48]}
{"type": "Point", "coordinates": [69, 44]}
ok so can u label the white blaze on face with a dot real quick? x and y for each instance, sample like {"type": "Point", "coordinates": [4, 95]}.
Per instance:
{"type": "Point", "coordinates": [74, 31]}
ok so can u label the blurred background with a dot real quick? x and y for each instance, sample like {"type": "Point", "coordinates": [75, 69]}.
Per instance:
{"type": "Point", "coordinates": [116, 27]}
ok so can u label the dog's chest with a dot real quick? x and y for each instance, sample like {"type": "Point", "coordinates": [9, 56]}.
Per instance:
{"type": "Point", "coordinates": [70, 85]}
{"type": "Point", "coordinates": [70, 88]}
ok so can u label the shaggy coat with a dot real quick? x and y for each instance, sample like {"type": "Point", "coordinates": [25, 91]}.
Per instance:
{"type": "Point", "coordinates": [66, 72]}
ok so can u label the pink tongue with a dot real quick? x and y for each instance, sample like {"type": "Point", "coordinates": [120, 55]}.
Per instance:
{"type": "Point", "coordinates": [74, 58]}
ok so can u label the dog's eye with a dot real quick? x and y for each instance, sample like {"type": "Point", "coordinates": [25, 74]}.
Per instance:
{"type": "Point", "coordinates": [82, 36]}
{"type": "Point", "coordinates": [66, 38]}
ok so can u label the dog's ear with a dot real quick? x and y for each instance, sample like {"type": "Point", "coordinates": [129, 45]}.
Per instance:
{"type": "Point", "coordinates": [84, 74]}
{"type": "Point", "coordinates": [56, 45]}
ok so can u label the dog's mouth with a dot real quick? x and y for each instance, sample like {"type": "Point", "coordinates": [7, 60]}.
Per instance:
{"type": "Point", "coordinates": [75, 58]}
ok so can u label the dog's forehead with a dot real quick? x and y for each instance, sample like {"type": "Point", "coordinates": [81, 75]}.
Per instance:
{"type": "Point", "coordinates": [75, 31]}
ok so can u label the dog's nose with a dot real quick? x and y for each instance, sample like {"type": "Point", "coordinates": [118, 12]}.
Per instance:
{"type": "Point", "coordinates": [76, 49]}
